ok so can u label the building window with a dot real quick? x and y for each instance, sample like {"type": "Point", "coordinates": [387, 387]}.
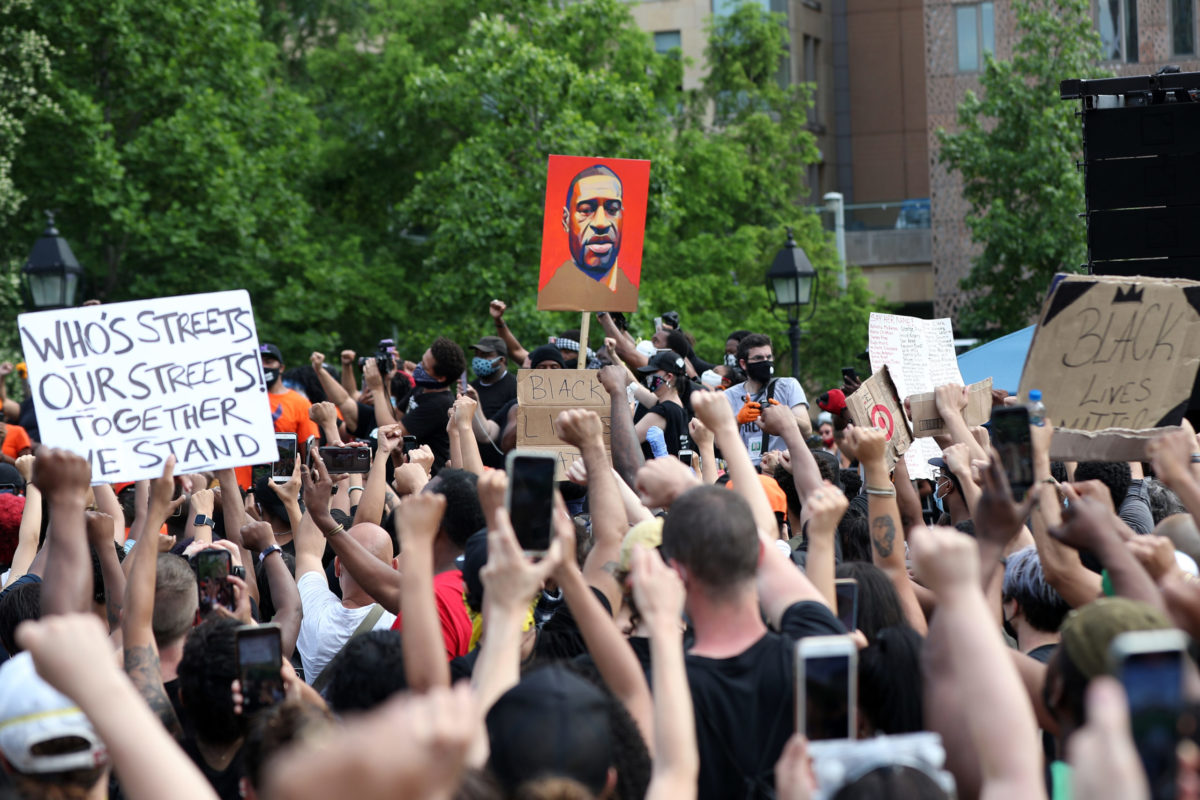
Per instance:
{"type": "Point", "coordinates": [1183, 27]}
{"type": "Point", "coordinates": [812, 47]}
{"type": "Point", "coordinates": [666, 41]}
{"type": "Point", "coordinates": [976, 34]}
{"type": "Point", "coordinates": [1116, 20]}
{"type": "Point", "coordinates": [722, 7]}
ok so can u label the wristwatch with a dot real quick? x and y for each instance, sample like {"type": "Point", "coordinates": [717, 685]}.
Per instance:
{"type": "Point", "coordinates": [204, 519]}
{"type": "Point", "coordinates": [272, 549]}
{"type": "Point", "coordinates": [238, 572]}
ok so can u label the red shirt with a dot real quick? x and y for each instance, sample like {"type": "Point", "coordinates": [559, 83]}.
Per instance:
{"type": "Point", "coordinates": [452, 612]}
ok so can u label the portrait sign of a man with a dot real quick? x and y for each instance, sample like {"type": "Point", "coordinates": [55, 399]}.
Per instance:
{"type": "Point", "coordinates": [592, 230]}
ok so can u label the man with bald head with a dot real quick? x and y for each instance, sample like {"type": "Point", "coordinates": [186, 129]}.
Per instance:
{"type": "Point", "coordinates": [328, 623]}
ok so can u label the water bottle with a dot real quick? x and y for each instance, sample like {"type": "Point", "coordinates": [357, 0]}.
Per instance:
{"type": "Point", "coordinates": [656, 440]}
{"type": "Point", "coordinates": [1037, 411]}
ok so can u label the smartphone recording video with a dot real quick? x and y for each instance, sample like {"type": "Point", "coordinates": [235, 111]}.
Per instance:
{"type": "Point", "coordinates": [846, 591]}
{"type": "Point", "coordinates": [1010, 437]}
{"type": "Point", "coordinates": [212, 570]}
{"type": "Point", "coordinates": [281, 471]}
{"type": "Point", "coordinates": [260, 658]}
{"type": "Point", "coordinates": [826, 687]}
{"type": "Point", "coordinates": [346, 460]}
{"type": "Point", "coordinates": [1150, 665]}
{"type": "Point", "coordinates": [530, 499]}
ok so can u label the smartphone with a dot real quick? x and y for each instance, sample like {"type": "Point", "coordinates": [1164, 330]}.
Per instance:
{"type": "Point", "coordinates": [259, 471]}
{"type": "Point", "coordinates": [1150, 665]}
{"type": "Point", "coordinates": [410, 443]}
{"type": "Point", "coordinates": [281, 470]}
{"type": "Point", "coordinates": [685, 455]}
{"type": "Point", "coordinates": [849, 374]}
{"type": "Point", "coordinates": [846, 591]}
{"type": "Point", "coordinates": [826, 687]}
{"type": "Point", "coordinates": [212, 569]}
{"type": "Point", "coordinates": [1010, 436]}
{"type": "Point", "coordinates": [530, 498]}
{"type": "Point", "coordinates": [346, 460]}
{"type": "Point", "coordinates": [259, 658]}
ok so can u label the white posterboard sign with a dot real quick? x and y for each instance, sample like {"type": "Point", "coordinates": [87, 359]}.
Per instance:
{"type": "Point", "coordinates": [128, 384]}
{"type": "Point", "coordinates": [919, 354]}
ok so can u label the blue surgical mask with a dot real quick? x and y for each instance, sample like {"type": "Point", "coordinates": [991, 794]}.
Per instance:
{"type": "Point", "coordinates": [937, 501]}
{"type": "Point", "coordinates": [422, 378]}
{"type": "Point", "coordinates": [484, 367]}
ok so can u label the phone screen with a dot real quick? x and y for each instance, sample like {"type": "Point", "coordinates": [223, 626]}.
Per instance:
{"type": "Point", "coordinates": [531, 500]}
{"type": "Point", "coordinates": [846, 591]}
{"type": "Point", "coordinates": [1010, 436]}
{"type": "Point", "coordinates": [410, 443]}
{"type": "Point", "coordinates": [212, 569]}
{"type": "Point", "coordinates": [827, 697]}
{"type": "Point", "coordinates": [281, 471]}
{"type": "Point", "coordinates": [260, 658]}
{"type": "Point", "coordinates": [1154, 685]}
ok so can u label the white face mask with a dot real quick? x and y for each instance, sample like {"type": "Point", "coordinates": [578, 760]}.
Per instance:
{"type": "Point", "coordinates": [710, 379]}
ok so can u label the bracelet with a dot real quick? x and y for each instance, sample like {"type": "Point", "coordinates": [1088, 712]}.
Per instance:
{"type": "Point", "coordinates": [339, 529]}
{"type": "Point", "coordinates": [1196, 458]}
{"type": "Point", "coordinates": [358, 488]}
{"type": "Point", "coordinates": [272, 549]}
{"type": "Point", "coordinates": [880, 492]}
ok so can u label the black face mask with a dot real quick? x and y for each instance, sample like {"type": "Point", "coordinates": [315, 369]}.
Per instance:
{"type": "Point", "coordinates": [270, 376]}
{"type": "Point", "coordinates": [760, 371]}
{"type": "Point", "coordinates": [571, 363]}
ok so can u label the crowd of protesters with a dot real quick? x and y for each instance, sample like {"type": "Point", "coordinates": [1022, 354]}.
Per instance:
{"type": "Point", "coordinates": [650, 652]}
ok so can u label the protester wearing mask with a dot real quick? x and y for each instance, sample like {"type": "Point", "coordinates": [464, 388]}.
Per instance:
{"type": "Point", "coordinates": [828, 443]}
{"type": "Point", "coordinates": [432, 399]}
{"type": "Point", "coordinates": [756, 358]}
{"type": "Point", "coordinates": [494, 384]}
{"type": "Point", "coordinates": [665, 379]}
{"type": "Point", "coordinates": [289, 410]}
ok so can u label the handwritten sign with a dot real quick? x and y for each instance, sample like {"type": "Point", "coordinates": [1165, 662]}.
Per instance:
{"type": "Point", "coordinates": [919, 355]}
{"type": "Point", "coordinates": [542, 394]}
{"type": "Point", "coordinates": [876, 404]}
{"type": "Point", "coordinates": [1113, 353]}
{"type": "Point", "coordinates": [128, 384]}
{"type": "Point", "coordinates": [926, 421]}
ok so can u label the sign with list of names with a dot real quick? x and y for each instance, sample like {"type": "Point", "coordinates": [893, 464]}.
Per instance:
{"type": "Point", "coordinates": [128, 384]}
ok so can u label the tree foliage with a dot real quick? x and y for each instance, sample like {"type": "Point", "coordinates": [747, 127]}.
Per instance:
{"type": "Point", "coordinates": [1016, 149]}
{"type": "Point", "coordinates": [377, 168]}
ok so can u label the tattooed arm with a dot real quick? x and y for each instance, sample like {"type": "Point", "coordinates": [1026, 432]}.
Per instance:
{"type": "Point", "coordinates": [883, 514]}
{"type": "Point", "coordinates": [626, 449]}
{"type": "Point", "coordinates": [141, 653]}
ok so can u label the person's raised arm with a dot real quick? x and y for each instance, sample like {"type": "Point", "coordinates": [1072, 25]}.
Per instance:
{"type": "Point", "coordinates": [515, 351]}
{"type": "Point", "coordinates": [998, 715]}
{"type": "Point", "coordinates": [417, 522]}
{"type": "Point", "coordinates": [336, 394]}
{"type": "Point", "coordinates": [99, 534]}
{"type": "Point", "coordinates": [950, 400]}
{"type": "Point", "coordinates": [779, 421]}
{"type": "Point", "coordinates": [137, 632]}
{"type": "Point", "coordinates": [626, 449]}
{"type": "Point", "coordinates": [626, 347]}
{"type": "Point", "coordinates": [72, 654]}
{"type": "Point", "coordinates": [371, 501]}
{"type": "Point", "coordinates": [64, 478]}
{"type": "Point", "coordinates": [887, 535]}
{"type": "Point", "coordinates": [200, 504]}
{"type": "Point", "coordinates": [703, 439]}
{"type": "Point", "coordinates": [958, 460]}
{"type": "Point", "coordinates": [317, 525]}
{"type": "Point", "coordinates": [713, 410]}
{"type": "Point", "coordinates": [325, 416]}
{"type": "Point", "coordinates": [464, 418]}
{"type": "Point", "coordinates": [659, 594]}
{"type": "Point", "coordinates": [31, 523]}
{"type": "Point", "coordinates": [348, 382]}
{"type": "Point", "coordinates": [1172, 456]}
{"type": "Point", "coordinates": [378, 386]}
{"type": "Point", "coordinates": [285, 596]}
{"type": "Point", "coordinates": [827, 505]}
{"type": "Point", "coordinates": [907, 500]}
{"type": "Point", "coordinates": [584, 430]}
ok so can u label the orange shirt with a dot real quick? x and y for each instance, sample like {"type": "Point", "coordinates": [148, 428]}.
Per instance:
{"type": "Point", "coordinates": [289, 413]}
{"type": "Point", "coordinates": [16, 440]}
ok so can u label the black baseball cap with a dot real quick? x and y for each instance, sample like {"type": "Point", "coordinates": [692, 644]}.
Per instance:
{"type": "Point", "coordinates": [9, 476]}
{"type": "Point", "coordinates": [667, 361]}
{"type": "Point", "coordinates": [491, 344]}
{"type": "Point", "coordinates": [271, 351]}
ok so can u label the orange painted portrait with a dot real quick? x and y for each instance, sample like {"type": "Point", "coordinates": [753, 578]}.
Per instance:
{"type": "Point", "coordinates": [593, 226]}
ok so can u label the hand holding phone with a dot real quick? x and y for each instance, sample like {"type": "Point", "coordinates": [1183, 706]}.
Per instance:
{"type": "Point", "coordinates": [212, 578]}
{"type": "Point", "coordinates": [281, 471]}
{"type": "Point", "coordinates": [846, 592]}
{"type": "Point", "coordinates": [826, 687]}
{"type": "Point", "coordinates": [530, 499]}
{"type": "Point", "coordinates": [1011, 438]}
{"type": "Point", "coordinates": [260, 661]}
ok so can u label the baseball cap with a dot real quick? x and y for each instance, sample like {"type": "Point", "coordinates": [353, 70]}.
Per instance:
{"type": "Point", "coordinates": [1087, 632]}
{"type": "Point", "coordinates": [10, 476]}
{"type": "Point", "coordinates": [32, 712]}
{"type": "Point", "coordinates": [491, 344]}
{"type": "Point", "coordinates": [667, 361]}
{"type": "Point", "coordinates": [270, 350]}
{"type": "Point", "coordinates": [551, 724]}
{"type": "Point", "coordinates": [833, 401]}
{"type": "Point", "coordinates": [775, 493]}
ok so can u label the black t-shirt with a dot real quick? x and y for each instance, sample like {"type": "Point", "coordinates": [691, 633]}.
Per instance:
{"type": "Point", "coordinates": [744, 706]}
{"type": "Point", "coordinates": [491, 453]}
{"type": "Point", "coordinates": [426, 419]}
{"type": "Point", "coordinates": [677, 426]}
{"type": "Point", "coordinates": [493, 397]}
{"type": "Point", "coordinates": [366, 421]}
{"type": "Point", "coordinates": [227, 782]}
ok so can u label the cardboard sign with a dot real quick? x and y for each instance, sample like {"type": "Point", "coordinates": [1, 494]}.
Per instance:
{"type": "Point", "coordinates": [593, 226]}
{"type": "Point", "coordinates": [128, 384]}
{"type": "Point", "coordinates": [1113, 353]}
{"type": "Point", "coordinates": [919, 355]}
{"type": "Point", "coordinates": [926, 421]}
{"type": "Point", "coordinates": [876, 404]}
{"type": "Point", "coordinates": [542, 394]}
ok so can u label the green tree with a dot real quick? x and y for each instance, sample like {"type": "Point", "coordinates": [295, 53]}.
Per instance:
{"type": "Point", "coordinates": [1016, 149]}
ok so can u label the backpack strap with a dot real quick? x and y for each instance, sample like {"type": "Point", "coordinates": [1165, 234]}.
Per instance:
{"type": "Point", "coordinates": [367, 624]}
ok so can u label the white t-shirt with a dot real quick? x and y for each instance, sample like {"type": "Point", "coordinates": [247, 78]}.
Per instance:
{"type": "Point", "coordinates": [327, 624]}
{"type": "Point", "coordinates": [788, 392]}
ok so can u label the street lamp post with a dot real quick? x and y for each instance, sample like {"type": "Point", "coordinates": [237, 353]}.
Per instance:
{"type": "Point", "coordinates": [52, 273]}
{"type": "Point", "coordinates": [792, 284]}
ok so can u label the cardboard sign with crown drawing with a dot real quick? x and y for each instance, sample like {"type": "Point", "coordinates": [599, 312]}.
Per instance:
{"type": "Point", "coordinates": [1115, 359]}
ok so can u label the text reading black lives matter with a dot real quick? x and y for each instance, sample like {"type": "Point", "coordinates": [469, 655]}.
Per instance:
{"type": "Point", "coordinates": [157, 407]}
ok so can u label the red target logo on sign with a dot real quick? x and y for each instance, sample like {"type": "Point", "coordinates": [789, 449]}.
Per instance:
{"type": "Point", "coordinates": [882, 418]}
